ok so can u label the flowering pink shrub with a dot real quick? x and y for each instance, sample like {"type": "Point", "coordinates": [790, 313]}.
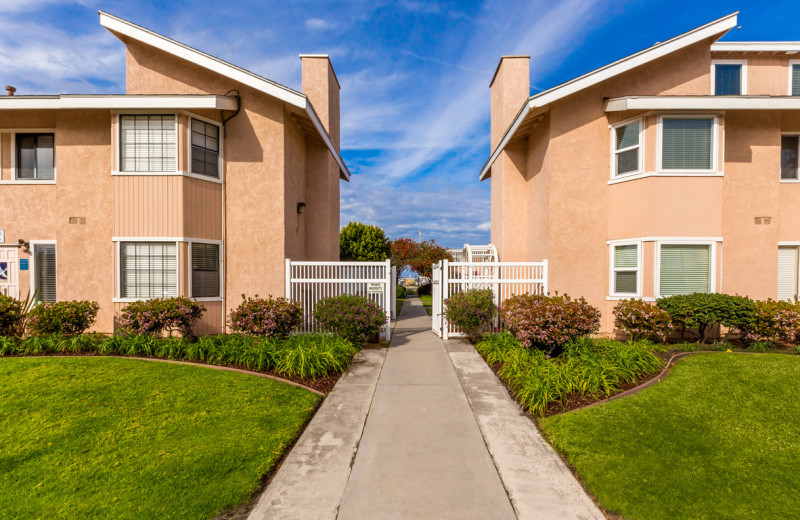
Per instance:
{"type": "Point", "coordinates": [548, 322]}
{"type": "Point", "coordinates": [352, 317]}
{"type": "Point", "coordinates": [265, 317]}
{"type": "Point", "coordinates": [642, 320]}
{"type": "Point", "coordinates": [472, 311]}
{"type": "Point", "coordinates": [69, 318]}
{"type": "Point", "coordinates": [773, 321]}
{"type": "Point", "coordinates": [159, 314]}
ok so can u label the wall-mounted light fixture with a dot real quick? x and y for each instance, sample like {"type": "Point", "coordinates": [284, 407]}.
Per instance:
{"type": "Point", "coordinates": [26, 246]}
{"type": "Point", "coordinates": [301, 208]}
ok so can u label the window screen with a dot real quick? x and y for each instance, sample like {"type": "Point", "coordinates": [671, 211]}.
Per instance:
{"type": "Point", "coordinates": [626, 263]}
{"type": "Point", "coordinates": [796, 80]}
{"type": "Point", "coordinates": [35, 156]}
{"type": "Point", "coordinates": [205, 148]}
{"type": "Point", "coordinates": [627, 148]}
{"type": "Point", "coordinates": [148, 270]}
{"type": "Point", "coordinates": [687, 144]}
{"type": "Point", "coordinates": [205, 270]}
{"type": "Point", "coordinates": [727, 80]}
{"type": "Point", "coordinates": [685, 269]}
{"type": "Point", "coordinates": [44, 259]}
{"type": "Point", "coordinates": [790, 148]}
{"type": "Point", "coordinates": [148, 143]}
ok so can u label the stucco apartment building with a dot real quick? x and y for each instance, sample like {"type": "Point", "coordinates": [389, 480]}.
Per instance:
{"type": "Point", "coordinates": [198, 181]}
{"type": "Point", "coordinates": [674, 170]}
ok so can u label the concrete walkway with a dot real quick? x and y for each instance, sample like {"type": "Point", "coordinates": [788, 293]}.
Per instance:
{"type": "Point", "coordinates": [422, 430]}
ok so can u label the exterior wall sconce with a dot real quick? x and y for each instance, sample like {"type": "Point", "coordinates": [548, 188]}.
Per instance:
{"type": "Point", "coordinates": [301, 208]}
{"type": "Point", "coordinates": [26, 246]}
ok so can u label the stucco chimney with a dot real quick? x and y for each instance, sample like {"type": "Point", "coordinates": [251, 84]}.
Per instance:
{"type": "Point", "coordinates": [322, 88]}
{"type": "Point", "coordinates": [10, 90]}
{"type": "Point", "coordinates": [510, 87]}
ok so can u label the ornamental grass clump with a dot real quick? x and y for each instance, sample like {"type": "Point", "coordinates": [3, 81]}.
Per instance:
{"type": "Point", "coordinates": [271, 317]}
{"type": "Point", "coordinates": [152, 317]}
{"type": "Point", "coordinates": [68, 318]}
{"type": "Point", "coordinates": [548, 322]}
{"type": "Point", "coordinates": [353, 317]}
{"type": "Point", "coordinates": [641, 320]}
{"type": "Point", "coordinates": [472, 311]}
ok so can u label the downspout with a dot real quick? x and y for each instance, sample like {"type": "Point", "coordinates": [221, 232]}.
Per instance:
{"type": "Point", "coordinates": [224, 206]}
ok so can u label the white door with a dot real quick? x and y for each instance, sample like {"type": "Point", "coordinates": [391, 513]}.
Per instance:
{"type": "Point", "coordinates": [9, 271]}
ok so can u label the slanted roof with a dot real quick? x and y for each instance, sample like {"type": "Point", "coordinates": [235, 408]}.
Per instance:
{"type": "Point", "coordinates": [118, 102]}
{"type": "Point", "coordinates": [243, 76]}
{"type": "Point", "coordinates": [659, 50]}
{"type": "Point", "coordinates": [703, 103]}
{"type": "Point", "coordinates": [787, 47]}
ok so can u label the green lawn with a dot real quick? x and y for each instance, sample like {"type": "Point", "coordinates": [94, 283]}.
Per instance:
{"type": "Point", "coordinates": [717, 439]}
{"type": "Point", "coordinates": [98, 438]}
{"type": "Point", "coordinates": [427, 301]}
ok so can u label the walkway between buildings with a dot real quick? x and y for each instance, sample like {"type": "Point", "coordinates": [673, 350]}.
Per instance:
{"type": "Point", "coordinates": [422, 430]}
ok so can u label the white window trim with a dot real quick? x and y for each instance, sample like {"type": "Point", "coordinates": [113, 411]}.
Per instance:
{"type": "Point", "coordinates": [118, 298]}
{"type": "Point", "coordinates": [797, 180]}
{"type": "Point", "coordinates": [743, 73]}
{"type": "Point", "coordinates": [792, 64]}
{"type": "Point", "coordinates": [13, 155]}
{"type": "Point", "coordinates": [614, 151]}
{"type": "Point", "coordinates": [220, 168]}
{"type": "Point", "coordinates": [118, 140]}
{"type": "Point", "coordinates": [221, 278]}
{"type": "Point", "coordinates": [32, 261]}
{"type": "Point", "coordinates": [714, 148]}
{"type": "Point", "coordinates": [685, 241]}
{"type": "Point", "coordinates": [613, 270]}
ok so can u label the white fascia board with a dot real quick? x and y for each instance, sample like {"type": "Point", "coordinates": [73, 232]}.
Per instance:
{"type": "Point", "coordinates": [755, 47]}
{"type": "Point", "coordinates": [312, 114]}
{"type": "Point", "coordinates": [703, 103]}
{"type": "Point", "coordinates": [655, 52]}
{"type": "Point", "coordinates": [186, 102]}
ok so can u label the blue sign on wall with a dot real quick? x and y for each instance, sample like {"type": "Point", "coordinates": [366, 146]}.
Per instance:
{"type": "Point", "coordinates": [23, 264]}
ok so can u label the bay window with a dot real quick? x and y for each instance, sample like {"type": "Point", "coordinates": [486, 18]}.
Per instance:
{"type": "Point", "coordinates": [685, 268]}
{"type": "Point", "coordinates": [627, 148]}
{"type": "Point", "coordinates": [148, 143]}
{"type": "Point", "coordinates": [688, 144]}
{"type": "Point", "coordinates": [148, 269]}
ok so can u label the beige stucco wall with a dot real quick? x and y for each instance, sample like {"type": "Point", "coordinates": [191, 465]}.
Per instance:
{"type": "Point", "coordinates": [767, 73]}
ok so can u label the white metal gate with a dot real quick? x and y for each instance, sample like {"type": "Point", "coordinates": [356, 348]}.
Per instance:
{"type": "Point", "coordinates": [310, 282]}
{"type": "Point", "coordinates": [9, 271]}
{"type": "Point", "coordinates": [505, 279]}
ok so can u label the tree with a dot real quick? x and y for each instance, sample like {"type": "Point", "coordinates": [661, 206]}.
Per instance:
{"type": "Point", "coordinates": [363, 243]}
{"type": "Point", "coordinates": [428, 253]}
{"type": "Point", "coordinates": [402, 252]}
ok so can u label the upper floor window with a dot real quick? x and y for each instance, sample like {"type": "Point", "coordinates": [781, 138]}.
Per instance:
{"type": "Point", "coordinates": [790, 151]}
{"type": "Point", "coordinates": [148, 143]}
{"type": "Point", "coordinates": [688, 144]}
{"type": "Point", "coordinates": [205, 148]}
{"type": "Point", "coordinates": [729, 77]}
{"type": "Point", "coordinates": [627, 148]}
{"type": "Point", "coordinates": [35, 157]}
{"type": "Point", "coordinates": [795, 79]}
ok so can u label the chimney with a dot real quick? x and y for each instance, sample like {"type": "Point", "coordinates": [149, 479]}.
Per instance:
{"type": "Point", "coordinates": [10, 90]}
{"type": "Point", "coordinates": [510, 87]}
{"type": "Point", "coordinates": [322, 88]}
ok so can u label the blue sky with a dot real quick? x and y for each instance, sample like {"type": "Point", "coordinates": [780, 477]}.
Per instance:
{"type": "Point", "coordinates": [414, 75]}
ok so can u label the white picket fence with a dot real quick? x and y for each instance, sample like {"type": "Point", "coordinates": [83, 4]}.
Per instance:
{"type": "Point", "coordinates": [505, 279]}
{"type": "Point", "coordinates": [309, 282]}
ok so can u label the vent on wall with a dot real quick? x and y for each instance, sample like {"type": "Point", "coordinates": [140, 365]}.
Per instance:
{"type": "Point", "coordinates": [763, 220]}
{"type": "Point", "coordinates": [77, 220]}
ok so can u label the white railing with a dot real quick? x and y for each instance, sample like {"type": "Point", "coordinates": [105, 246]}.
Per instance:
{"type": "Point", "coordinates": [505, 279]}
{"type": "Point", "coordinates": [310, 282]}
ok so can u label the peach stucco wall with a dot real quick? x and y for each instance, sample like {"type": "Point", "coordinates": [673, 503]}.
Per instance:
{"type": "Point", "coordinates": [767, 72]}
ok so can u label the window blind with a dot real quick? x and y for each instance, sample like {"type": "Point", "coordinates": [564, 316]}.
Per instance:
{"type": "Point", "coordinates": [787, 273]}
{"type": "Point", "coordinates": [685, 269]}
{"type": "Point", "coordinates": [790, 148]}
{"type": "Point", "coordinates": [205, 148]}
{"type": "Point", "coordinates": [148, 143]}
{"type": "Point", "coordinates": [205, 270]}
{"type": "Point", "coordinates": [35, 156]}
{"type": "Point", "coordinates": [796, 80]}
{"type": "Point", "coordinates": [727, 80]}
{"type": "Point", "coordinates": [626, 258]}
{"type": "Point", "coordinates": [44, 258]}
{"type": "Point", "coordinates": [148, 270]}
{"type": "Point", "coordinates": [627, 148]}
{"type": "Point", "coordinates": [687, 144]}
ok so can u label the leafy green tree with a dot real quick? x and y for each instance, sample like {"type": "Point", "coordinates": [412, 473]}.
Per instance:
{"type": "Point", "coordinates": [363, 243]}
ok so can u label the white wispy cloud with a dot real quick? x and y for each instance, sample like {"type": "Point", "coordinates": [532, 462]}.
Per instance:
{"type": "Point", "coordinates": [319, 24]}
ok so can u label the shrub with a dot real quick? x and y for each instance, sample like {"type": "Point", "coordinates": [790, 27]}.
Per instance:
{"type": "Point", "coordinates": [700, 311]}
{"type": "Point", "coordinates": [425, 289]}
{"type": "Point", "coordinates": [641, 320]}
{"type": "Point", "coordinates": [265, 317]}
{"type": "Point", "coordinates": [70, 318]}
{"type": "Point", "coordinates": [401, 291]}
{"type": "Point", "coordinates": [352, 317]}
{"type": "Point", "coordinates": [154, 316]}
{"type": "Point", "coordinates": [363, 243]}
{"type": "Point", "coordinates": [548, 322]}
{"type": "Point", "coordinates": [473, 311]}
{"type": "Point", "coordinates": [773, 321]}
{"type": "Point", "coordinates": [12, 316]}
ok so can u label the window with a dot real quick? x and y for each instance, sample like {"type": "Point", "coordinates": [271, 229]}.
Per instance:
{"type": "Point", "coordinates": [44, 272]}
{"type": "Point", "coordinates": [787, 273]}
{"type": "Point", "coordinates": [627, 146]}
{"type": "Point", "coordinates": [795, 79]}
{"type": "Point", "coordinates": [625, 270]}
{"type": "Point", "coordinates": [790, 149]}
{"type": "Point", "coordinates": [729, 77]}
{"type": "Point", "coordinates": [35, 157]}
{"type": "Point", "coordinates": [205, 148]}
{"type": "Point", "coordinates": [205, 270]}
{"type": "Point", "coordinates": [687, 144]}
{"type": "Point", "coordinates": [148, 269]}
{"type": "Point", "coordinates": [148, 143]}
{"type": "Point", "coordinates": [685, 269]}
